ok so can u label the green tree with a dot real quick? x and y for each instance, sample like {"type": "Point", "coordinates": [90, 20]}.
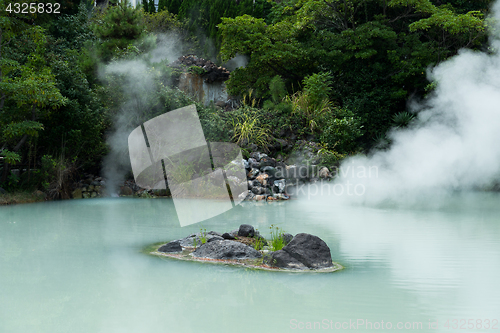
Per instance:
{"type": "Point", "coordinates": [74, 130]}
{"type": "Point", "coordinates": [173, 6]}
{"type": "Point", "coordinates": [151, 6]}
{"type": "Point", "coordinates": [162, 5]}
{"type": "Point", "coordinates": [119, 28]}
{"type": "Point", "coordinates": [377, 52]}
{"type": "Point", "coordinates": [28, 92]}
{"type": "Point", "coordinates": [273, 50]}
{"type": "Point", "coordinates": [277, 89]}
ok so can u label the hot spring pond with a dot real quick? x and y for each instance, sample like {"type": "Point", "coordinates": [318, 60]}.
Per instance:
{"type": "Point", "coordinates": [79, 266]}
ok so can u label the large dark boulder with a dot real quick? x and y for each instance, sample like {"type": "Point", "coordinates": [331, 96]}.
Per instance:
{"type": "Point", "coordinates": [173, 246]}
{"type": "Point", "coordinates": [226, 249]}
{"type": "Point", "coordinates": [2, 191]}
{"type": "Point", "coordinates": [246, 230]}
{"type": "Point", "coordinates": [309, 250]}
{"type": "Point", "coordinates": [282, 259]}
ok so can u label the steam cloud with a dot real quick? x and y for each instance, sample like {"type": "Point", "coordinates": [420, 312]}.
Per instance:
{"type": "Point", "coordinates": [452, 145]}
{"type": "Point", "coordinates": [238, 61]}
{"type": "Point", "coordinates": [139, 83]}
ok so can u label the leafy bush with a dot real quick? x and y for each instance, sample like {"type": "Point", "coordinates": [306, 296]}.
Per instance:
{"type": "Point", "coordinates": [317, 87]}
{"type": "Point", "coordinates": [259, 244]}
{"type": "Point", "coordinates": [313, 103]}
{"type": "Point", "coordinates": [342, 132]}
{"type": "Point", "coordinates": [55, 176]}
{"type": "Point", "coordinates": [277, 89]}
{"type": "Point", "coordinates": [329, 157]}
{"type": "Point", "coordinates": [215, 124]}
{"type": "Point", "coordinates": [197, 70]}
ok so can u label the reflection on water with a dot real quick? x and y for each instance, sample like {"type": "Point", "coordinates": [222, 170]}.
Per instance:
{"type": "Point", "coordinates": [76, 266]}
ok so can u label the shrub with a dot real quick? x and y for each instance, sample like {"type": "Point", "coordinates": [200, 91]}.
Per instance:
{"type": "Point", "coordinates": [247, 128]}
{"type": "Point", "coordinates": [313, 103]}
{"type": "Point", "coordinates": [277, 89]}
{"type": "Point", "coordinates": [317, 87]}
{"type": "Point", "coordinates": [402, 119]}
{"type": "Point", "coordinates": [56, 176]}
{"type": "Point", "coordinates": [342, 132]}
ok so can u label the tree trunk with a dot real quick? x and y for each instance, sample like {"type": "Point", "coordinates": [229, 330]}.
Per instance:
{"type": "Point", "coordinates": [6, 166]}
{"type": "Point", "coordinates": [6, 170]}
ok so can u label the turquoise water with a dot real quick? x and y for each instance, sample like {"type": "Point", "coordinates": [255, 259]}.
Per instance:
{"type": "Point", "coordinates": [76, 266]}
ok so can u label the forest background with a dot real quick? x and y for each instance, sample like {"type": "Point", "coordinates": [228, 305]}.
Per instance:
{"type": "Point", "coordinates": [334, 75]}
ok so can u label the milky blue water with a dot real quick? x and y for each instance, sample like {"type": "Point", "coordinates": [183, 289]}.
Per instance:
{"type": "Point", "coordinates": [76, 266]}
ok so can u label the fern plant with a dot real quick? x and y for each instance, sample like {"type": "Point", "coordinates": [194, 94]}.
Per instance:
{"type": "Point", "coordinates": [402, 119]}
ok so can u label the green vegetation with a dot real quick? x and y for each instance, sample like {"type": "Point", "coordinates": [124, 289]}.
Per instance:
{"type": "Point", "coordinates": [277, 240]}
{"type": "Point", "coordinates": [374, 53]}
{"type": "Point", "coordinates": [203, 235]}
{"type": "Point", "coordinates": [337, 74]}
{"type": "Point", "coordinates": [119, 27]}
{"type": "Point", "coordinates": [259, 244]}
{"type": "Point", "coordinates": [21, 197]}
{"type": "Point", "coordinates": [248, 128]}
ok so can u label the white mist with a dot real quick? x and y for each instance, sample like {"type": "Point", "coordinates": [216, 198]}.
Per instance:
{"type": "Point", "coordinates": [452, 145]}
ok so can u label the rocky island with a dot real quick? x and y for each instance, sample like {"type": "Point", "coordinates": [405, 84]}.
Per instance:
{"type": "Point", "coordinates": [246, 247]}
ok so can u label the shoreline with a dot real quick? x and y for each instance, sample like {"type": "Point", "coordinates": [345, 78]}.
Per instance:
{"type": "Point", "coordinates": [257, 264]}
{"type": "Point", "coordinates": [241, 262]}
{"type": "Point", "coordinates": [20, 197]}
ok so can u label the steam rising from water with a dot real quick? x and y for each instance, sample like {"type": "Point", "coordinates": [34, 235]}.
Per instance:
{"type": "Point", "coordinates": [138, 99]}
{"type": "Point", "coordinates": [454, 142]}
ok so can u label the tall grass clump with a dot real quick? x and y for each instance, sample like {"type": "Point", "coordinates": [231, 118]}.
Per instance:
{"type": "Point", "coordinates": [277, 239]}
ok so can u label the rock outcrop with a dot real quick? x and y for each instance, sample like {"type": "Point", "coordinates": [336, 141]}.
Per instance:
{"type": "Point", "coordinates": [170, 247]}
{"type": "Point", "coordinates": [303, 251]}
{"type": "Point", "coordinates": [245, 244]}
{"type": "Point", "coordinates": [226, 249]}
{"type": "Point", "coordinates": [210, 72]}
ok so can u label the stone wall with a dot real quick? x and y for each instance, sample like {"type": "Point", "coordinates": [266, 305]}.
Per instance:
{"type": "Point", "coordinates": [206, 84]}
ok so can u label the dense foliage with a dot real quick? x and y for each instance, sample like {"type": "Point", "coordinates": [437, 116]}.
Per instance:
{"type": "Point", "coordinates": [335, 72]}
{"type": "Point", "coordinates": [377, 52]}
